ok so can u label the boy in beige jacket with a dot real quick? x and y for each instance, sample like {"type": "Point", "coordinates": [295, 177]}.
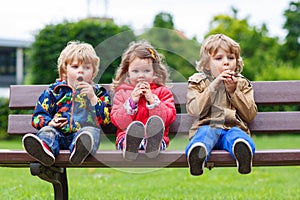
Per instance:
{"type": "Point", "coordinates": [222, 102]}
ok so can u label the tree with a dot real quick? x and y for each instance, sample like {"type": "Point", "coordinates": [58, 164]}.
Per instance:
{"type": "Point", "coordinates": [51, 40]}
{"type": "Point", "coordinates": [163, 20]}
{"type": "Point", "coordinates": [180, 53]}
{"type": "Point", "coordinates": [290, 49]}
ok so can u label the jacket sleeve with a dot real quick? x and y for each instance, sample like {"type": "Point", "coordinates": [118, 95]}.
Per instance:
{"type": "Point", "coordinates": [43, 110]}
{"type": "Point", "coordinates": [243, 100]}
{"type": "Point", "coordinates": [166, 108]}
{"type": "Point", "coordinates": [199, 98]}
{"type": "Point", "coordinates": [119, 117]}
{"type": "Point", "coordinates": [103, 107]}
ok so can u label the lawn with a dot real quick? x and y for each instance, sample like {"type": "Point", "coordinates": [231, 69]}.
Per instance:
{"type": "Point", "coordinates": [168, 183]}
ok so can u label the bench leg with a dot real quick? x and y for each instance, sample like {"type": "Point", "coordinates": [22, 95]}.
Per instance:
{"type": "Point", "coordinates": [55, 175]}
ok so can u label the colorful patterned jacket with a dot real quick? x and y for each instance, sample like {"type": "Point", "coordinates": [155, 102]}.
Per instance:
{"type": "Point", "coordinates": [58, 100]}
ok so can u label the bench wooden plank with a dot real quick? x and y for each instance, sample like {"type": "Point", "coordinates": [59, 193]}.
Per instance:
{"type": "Point", "coordinates": [108, 158]}
{"type": "Point", "coordinates": [265, 93]}
{"type": "Point", "coordinates": [276, 92]}
{"type": "Point", "coordinates": [264, 122]}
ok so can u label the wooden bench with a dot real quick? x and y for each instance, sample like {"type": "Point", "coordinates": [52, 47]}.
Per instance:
{"type": "Point", "coordinates": [24, 97]}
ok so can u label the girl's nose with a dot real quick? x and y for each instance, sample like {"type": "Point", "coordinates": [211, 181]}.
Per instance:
{"type": "Point", "coordinates": [141, 74]}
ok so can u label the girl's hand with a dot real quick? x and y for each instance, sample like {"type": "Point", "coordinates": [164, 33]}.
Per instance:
{"type": "Point", "coordinates": [136, 93]}
{"type": "Point", "coordinates": [142, 88]}
{"type": "Point", "coordinates": [146, 91]}
{"type": "Point", "coordinates": [58, 122]}
{"type": "Point", "coordinates": [88, 90]}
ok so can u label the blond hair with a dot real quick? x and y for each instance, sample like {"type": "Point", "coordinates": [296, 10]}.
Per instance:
{"type": "Point", "coordinates": [81, 51]}
{"type": "Point", "coordinates": [143, 50]}
{"type": "Point", "coordinates": [210, 47]}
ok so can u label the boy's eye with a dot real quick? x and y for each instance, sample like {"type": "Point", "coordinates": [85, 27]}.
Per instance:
{"type": "Point", "coordinates": [74, 66]}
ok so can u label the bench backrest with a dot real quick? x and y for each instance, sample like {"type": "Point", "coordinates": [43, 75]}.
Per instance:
{"type": "Point", "coordinates": [272, 93]}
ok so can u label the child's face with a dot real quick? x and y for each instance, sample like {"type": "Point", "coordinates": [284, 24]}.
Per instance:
{"type": "Point", "coordinates": [79, 71]}
{"type": "Point", "coordinates": [222, 61]}
{"type": "Point", "coordinates": [140, 70]}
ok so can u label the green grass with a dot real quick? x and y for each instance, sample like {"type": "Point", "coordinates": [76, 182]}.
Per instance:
{"type": "Point", "coordinates": [168, 183]}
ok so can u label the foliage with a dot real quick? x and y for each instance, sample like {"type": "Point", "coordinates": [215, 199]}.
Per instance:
{"type": "Point", "coordinates": [51, 40]}
{"type": "Point", "coordinates": [291, 47]}
{"type": "Point", "coordinates": [163, 20]}
{"type": "Point", "coordinates": [5, 111]}
{"type": "Point", "coordinates": [180, 53]}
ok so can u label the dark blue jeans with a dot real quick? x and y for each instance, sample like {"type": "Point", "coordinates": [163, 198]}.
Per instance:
{"type": "Point", "coordinates": [219, 139]}
{"type": "Point", "coordinates": [58, 141]}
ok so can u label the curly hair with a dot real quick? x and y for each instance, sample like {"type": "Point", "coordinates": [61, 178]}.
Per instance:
{"type": "Point", "coordinates": [210, 47]}
{"type": "Point", "coordinates": [143, 50]}
{"type": "Point", "coordinates": [81, 51]}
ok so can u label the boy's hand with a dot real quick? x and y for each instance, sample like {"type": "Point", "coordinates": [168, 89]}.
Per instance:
{"type": "Point", "coordinates": [228, 78]}
{"type": "Point", "coordinates": [58, 122]}
{"type": "Point", "coordinates": [88, 90]}
{"type": "Point", "coordinates": [230, 81]}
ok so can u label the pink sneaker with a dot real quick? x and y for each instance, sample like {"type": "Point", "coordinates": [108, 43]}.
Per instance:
{"type": "Point", "coordinates": [134, 136]}
{"type": "Point", "coordinates": [155, 130]}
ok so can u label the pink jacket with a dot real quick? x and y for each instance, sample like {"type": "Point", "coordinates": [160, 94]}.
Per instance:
{"type": "Point", "coordinates": [121, 117]}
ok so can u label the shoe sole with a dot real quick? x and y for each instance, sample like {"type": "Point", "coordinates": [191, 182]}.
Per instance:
{"type": "Point", "coordinates": [243, 157]}
{"type": "Point", "coordinates": [36, 150]}
{"type": "Point", "coordinates": [134, 136]}
{"type": "Point", "coordinates": [196, 160]}
{"type": "Point", "coordinates": [83, 147]}
{"type": "Point", "coordinates": [155, 132]}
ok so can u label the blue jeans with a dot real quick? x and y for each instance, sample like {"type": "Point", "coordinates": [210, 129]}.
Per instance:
{"type": "Point", "coordinates": [57, 141]}
{"type": "Point", "coordinates": [219, 139]}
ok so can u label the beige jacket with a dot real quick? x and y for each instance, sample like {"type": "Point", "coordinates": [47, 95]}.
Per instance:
{"type": "Point", "coordinates": [217, 108]}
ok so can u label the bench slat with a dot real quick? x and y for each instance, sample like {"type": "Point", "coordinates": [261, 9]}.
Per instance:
{"type": "Point", "coordinates": [265, 93]}
{"type": "Point", "coordinates": [264, 122]}
{"type": "Point", "coordinates": [168, 158]}
{"type": "Point", "coordinates": [276, 92]}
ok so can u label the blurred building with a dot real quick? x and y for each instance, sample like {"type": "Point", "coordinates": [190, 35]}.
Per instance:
{"type": "Point", "coordinates": [12, 61]}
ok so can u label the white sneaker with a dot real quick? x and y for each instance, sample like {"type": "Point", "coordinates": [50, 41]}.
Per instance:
{"type": "Point", "coordinates": [243, 155]}
{"type": "Point", "coordinates": [196, 158]}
